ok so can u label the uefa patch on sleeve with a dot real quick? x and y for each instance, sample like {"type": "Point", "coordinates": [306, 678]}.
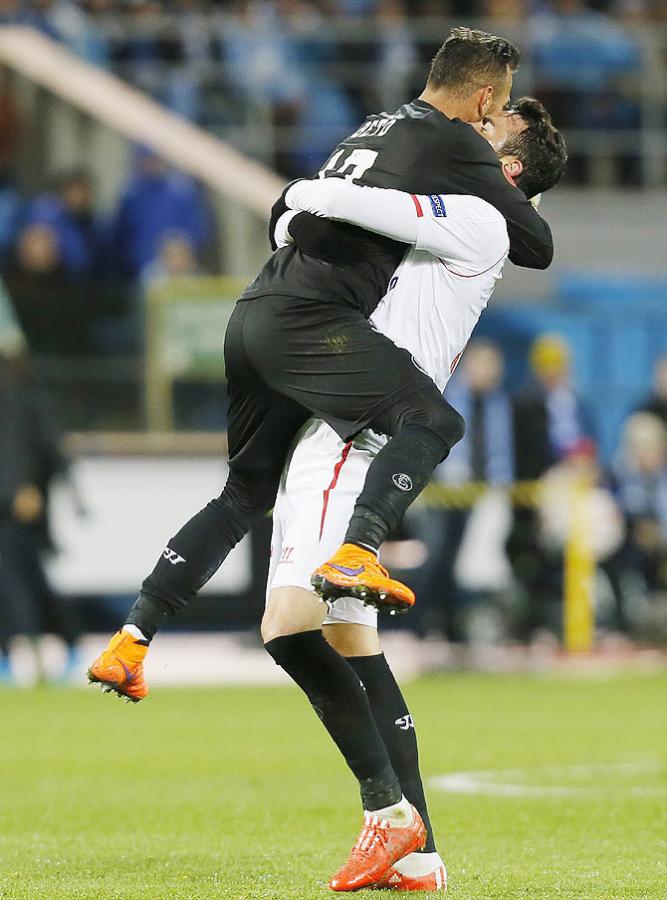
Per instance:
{"type": "Point", "coordinates": [438, 206]}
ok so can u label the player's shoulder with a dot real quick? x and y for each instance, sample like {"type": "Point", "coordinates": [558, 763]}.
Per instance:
{"type": "Point", "coordinates": [417, 116]}
{"type": "Point", "coordinates": [485, 227]}
{"type": "Point", "coordinates": [475, 209]}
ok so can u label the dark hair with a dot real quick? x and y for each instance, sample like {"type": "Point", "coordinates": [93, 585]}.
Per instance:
{"type": "Point", "coordinates": [471, 59]}
{"type": "Point", "coordinates": [540, 147]}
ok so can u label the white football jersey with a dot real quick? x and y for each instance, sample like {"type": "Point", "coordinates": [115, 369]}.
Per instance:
{"type": "Point", "coordinates": [443, 285]}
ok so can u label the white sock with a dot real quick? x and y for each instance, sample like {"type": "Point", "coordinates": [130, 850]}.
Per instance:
{"type": "Point", "coordinates": [399, 814]}
{"type": "Point", "coordinates": [416, 865]}
{"type": "Point", "coordinates": [135, 632]}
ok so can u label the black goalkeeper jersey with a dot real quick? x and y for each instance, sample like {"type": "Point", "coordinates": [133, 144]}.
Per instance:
{"type": "Point", "coordinates": [416, 149]}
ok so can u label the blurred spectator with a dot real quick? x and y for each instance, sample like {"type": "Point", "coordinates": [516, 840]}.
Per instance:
{"type": "Point", "coordinates": [30, 458]}
{"type": "Point", "coordinates": [449, 599]}
{"type": "Point", "coordinates": [578, 478]}
{"type": "Point", "coordinates": [69, 210]}
{"type": "Point", "coordinates": [549, 418]}
{"type": "Point", "coordinates": [549, 423]}
{"type": "Point", "coordinates": [54, 310]}
{"type": "Point", "coordinates": [156, 203]}
{"type": "Point", "coordinates": [640, 472]}
{"type": "Point", "coordinates": [656, 404]}
{"type": "Point", "coordinates": [176, 259]}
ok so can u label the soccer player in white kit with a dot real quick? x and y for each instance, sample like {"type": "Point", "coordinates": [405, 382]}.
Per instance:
{"type": "Point", "coordinates": [459, 245]}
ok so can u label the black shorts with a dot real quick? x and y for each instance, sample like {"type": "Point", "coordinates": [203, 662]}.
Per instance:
{"type": "Point", "coordinates": [288, 359]}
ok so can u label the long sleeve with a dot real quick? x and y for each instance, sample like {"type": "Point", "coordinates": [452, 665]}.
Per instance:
{"type": "Point", "coordinates": [465, 231]}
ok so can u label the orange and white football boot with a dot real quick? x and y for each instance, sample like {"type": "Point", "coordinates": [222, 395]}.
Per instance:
{"type": "Point", "coordinates": [355, 572]}
{"type": "Point", "coordinates": [379, 845]}
{"type": "Point", "coordinates": [120, 667]}
{"type": "Point", "coordinates": [415, 872]}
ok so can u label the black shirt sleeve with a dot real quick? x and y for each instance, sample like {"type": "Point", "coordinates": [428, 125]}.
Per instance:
{"type": "Point", "coordinates": [531, 243]}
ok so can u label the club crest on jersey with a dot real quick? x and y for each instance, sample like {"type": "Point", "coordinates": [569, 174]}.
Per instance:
{"type": "Point", "coordinates": [438, 206]}
{"type": "Point", "coordinates": [402, 481]}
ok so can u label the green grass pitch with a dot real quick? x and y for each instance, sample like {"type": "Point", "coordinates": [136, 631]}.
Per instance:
{"type": "Point", "coordinates": [237, 793]}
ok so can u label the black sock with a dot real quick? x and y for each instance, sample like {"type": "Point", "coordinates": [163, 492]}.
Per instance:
{"type": "Point", "coordinates": [190, 558]}
{"type": "Point", "coordinates": [396, 477]}
{"type": "Point", "coordinates": [395, 724]}
{"type": "Point", "coordinates": [340, 701]}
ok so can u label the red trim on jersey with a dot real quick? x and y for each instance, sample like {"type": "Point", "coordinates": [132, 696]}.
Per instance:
{"type": "Point", "coordinates": [334, 481]}
{"type": "Point", "coordinates": [476, 274]}
{"type": "Point", "coordinates": [455, 362]}
{"type": "Point", "coordinates": [418, 206]}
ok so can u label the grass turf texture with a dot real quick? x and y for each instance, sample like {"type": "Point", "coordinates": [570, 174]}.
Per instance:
{"type": "Point", "coordinates": [236, 793]}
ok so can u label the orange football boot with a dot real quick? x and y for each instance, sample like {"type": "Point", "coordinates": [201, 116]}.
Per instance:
{"type": "Point", "coordinates": [378, 847]}
{"type": "Point", "coordinates": [395, 880]}
{"type": "Point", "coordinates": [355, 572]}
{"type": "Point", "coordinates": [120, 667]}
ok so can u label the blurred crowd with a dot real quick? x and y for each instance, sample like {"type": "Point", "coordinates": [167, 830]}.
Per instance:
{"type": "Point", "coordinates": [286, 79]}
{"type": "Point", "coordinates": [296, 77]}
{"type": "Point", "coordinates": [488, 565]}
{"type": "Point", "coordinates": [76, 278]}
{"type": "Point", "coordinates": [485, 546]}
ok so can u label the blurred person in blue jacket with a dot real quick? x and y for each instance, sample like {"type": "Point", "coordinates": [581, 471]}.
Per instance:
{"type": "Point", "coordinates": [484, 455]}
{"type": "Point", "coordinates": [69, 210]}
{"type": "Point", "coordinates": [157, 202]}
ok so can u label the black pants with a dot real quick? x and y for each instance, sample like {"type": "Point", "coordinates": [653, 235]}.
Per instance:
{"type": "Point", "coordinates": [288, 359]}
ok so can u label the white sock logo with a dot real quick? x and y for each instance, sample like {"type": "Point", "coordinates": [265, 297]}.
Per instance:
{"type": "Point", "coordinates": [405, 722]}
{"type": "Point", "coordinates": [402, 481]}
{"type": "Point", "coordinates": [172, 556]}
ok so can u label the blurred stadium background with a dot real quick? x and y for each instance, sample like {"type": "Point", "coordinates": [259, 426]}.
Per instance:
{"type": "Point", "coordinates": [141, 147]}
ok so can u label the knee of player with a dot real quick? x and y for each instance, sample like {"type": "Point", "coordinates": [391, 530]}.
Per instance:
{"type": "Point", "coordinates": [291, 610]}
{"type": "Point", "coordinates": [447, 424]}
{"type": "Point", "coordinates": [456, 425]}
{"type": "Point", "coordinates": [249, 495]}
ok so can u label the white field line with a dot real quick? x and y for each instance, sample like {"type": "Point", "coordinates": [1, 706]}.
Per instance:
{"type": "Point", "coordinates": [512, 782]}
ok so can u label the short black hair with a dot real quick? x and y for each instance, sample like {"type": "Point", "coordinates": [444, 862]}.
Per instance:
{"type": "Point", "coordinates": [540, 147]}
{"type": "Point", "coordinates": [471, 58]}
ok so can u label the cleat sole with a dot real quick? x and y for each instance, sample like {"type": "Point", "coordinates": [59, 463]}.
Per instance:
{"type": "Point", "coordinates": [111, 687]}
{"type": "Point", "coordinates": [329, 591]}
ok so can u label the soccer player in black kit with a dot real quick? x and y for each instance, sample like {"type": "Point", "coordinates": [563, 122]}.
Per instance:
{"type": "Point", "coordinates": [299, 344]}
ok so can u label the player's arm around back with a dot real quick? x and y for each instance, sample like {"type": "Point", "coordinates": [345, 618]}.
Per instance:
{"type": "Point", "coordinates": [466, 232]}
{"type": "Point", "coordinates": [531, 241]}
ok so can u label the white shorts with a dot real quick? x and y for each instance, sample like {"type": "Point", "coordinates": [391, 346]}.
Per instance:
{"type": "Point", "coordinates": [319, 488]}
